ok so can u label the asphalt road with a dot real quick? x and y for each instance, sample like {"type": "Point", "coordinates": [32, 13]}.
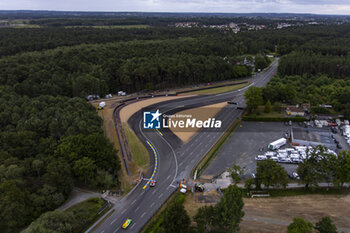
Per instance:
{"type": "Point", "coordinates": [175, 159]}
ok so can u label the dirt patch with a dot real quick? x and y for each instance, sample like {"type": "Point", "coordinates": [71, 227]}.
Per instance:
{"type": "Point", "coordinates": [275, 214]}
{"type": "Point", "coordinates": [265, 215]}
{"type": "Point", "coordinates": [130, 109]}
{"type": "Point", "coordinates": [192, 204]}
{"type": "Point", "coordinates": [201, 113]}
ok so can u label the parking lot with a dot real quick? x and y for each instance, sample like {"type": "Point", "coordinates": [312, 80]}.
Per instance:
{"type": "Point", "coordinates": [252, 139]}
{"type": "Point", "coordinates": [248, 141]}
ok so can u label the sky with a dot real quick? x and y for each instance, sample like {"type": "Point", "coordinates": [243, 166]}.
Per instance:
{"type": "Point", "coordinates": [341, 7]}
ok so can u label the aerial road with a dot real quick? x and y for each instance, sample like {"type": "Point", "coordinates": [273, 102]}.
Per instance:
{"type": "Point", "coordinates": [171, 159]}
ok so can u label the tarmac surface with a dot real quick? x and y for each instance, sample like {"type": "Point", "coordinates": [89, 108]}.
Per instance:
{"type": "Point", "coordinates": [249, 140]}
{"type": "Point", "coordinates": [175, 160]}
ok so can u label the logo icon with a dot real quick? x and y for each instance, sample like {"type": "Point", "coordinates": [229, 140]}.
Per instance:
{"type": "Point", "coordinates": [151, 120]}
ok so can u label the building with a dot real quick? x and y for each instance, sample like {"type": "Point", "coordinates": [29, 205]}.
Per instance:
{"type": "Point", "coordinates": [295, 111]}
{"type": "Point", "coordinates": [312, 137]}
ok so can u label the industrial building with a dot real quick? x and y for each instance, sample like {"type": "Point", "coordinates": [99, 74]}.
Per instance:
{"type": "Point", "coordinates": [312, 137]}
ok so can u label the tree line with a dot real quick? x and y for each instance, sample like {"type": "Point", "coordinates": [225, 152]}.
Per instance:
{"type": "Point", "coordinates": [319, 166]}
{"type": "Point", "coordinates": [130, 66]}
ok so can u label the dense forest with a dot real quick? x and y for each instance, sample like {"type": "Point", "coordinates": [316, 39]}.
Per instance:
{"type": "Point", "coordinates": [51, 138]}
{"type": "Point", "coordinates": [317, 72]}
{"type": "Point", "coordinates": [47, 144]}
{"type": "Point", "coordinates": [131, 66]}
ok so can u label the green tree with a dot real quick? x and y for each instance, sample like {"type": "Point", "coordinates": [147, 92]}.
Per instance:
{"type": "Point", "coordinates": [38, 166]}
{"type": "Point", "coordinates": [176, 219]}
{"type": "Point", "coordinates": [59, 175]}
{"type": "Point", "coordinates": [12, 207]}
{"type": "Point", "coordinates": [236, 172]}
{"type": "Point", "coordinates": [253, 98]}
{"type": "Point", "coordinates": [300, 225]}
{"type": "Point", "coordinates": [268, 107]}
{"type": "Point", "coordinates": [277, 106]}
{"type": "Point", "coordinates": [325, 225]}
{"type": "Point", "coordinates": [225, 216]}
{"type": "Point", "coordinates": [205, 218]}
{"type": "Point", "coordinates": [85, 168]}
{"type": "Point", "coordinates": [249, 184]}
{"type": "Point", "coordinates": [229, 210]}
{"type": "Point", "coordinates": [269, 173]}
{"type": "Point", "coordinates": [342, 168]}
{"type": "Point", "coordinates": [53, 222]}
{"type": "Point", "coordinates": [310, 170]}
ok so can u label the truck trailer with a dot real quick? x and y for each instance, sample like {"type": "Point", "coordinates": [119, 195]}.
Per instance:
{"type": "Point", "coordinates": [277, 144]}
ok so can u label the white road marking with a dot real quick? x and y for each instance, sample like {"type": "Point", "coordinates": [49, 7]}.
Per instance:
{"type": "Point", "coordinates": [113, 221]}
{"type": "Point", "coordinates": [123, 211]}
{"type": "Point", "coordinates": [172, 186]}
{"type": "Point", "coordinates": [143, 214]}
{"type": "Point", "coordinates": [180, 163]}
{"type": "Point", "coordinates": [133, 202]}
{"type": "Point", "coordinates": [160, 195]}
{"type": "Point", "coordinates": [137, 209]}
{"type": "Point", "coordinates": [168, 177]}
{"type": "Point", "coordinates": [116, 230]}
{"type": "Point", "coordinates": [152, 204]}
{"type": "Point", "coordinates": [132, 226]}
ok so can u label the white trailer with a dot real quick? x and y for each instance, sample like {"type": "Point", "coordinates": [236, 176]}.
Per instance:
{"type": "Point", "coordinates": [102, 105]}
{"type": "Point", "coordinates": [277, 144]}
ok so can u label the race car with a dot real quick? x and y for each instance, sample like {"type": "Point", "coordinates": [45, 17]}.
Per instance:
{"type": "Point", "coordinates": [127, 223]}
{"type": "Point", "coordinates": [152, 183]}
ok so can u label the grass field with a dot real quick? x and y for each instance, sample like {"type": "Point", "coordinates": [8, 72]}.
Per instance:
{"type": "Point", "coordinates": [264, 215]}
{"type": "Point", "coordinates": [138, 150]}
{"type": "Point", "coordinates": [86, 212]}
{"type": "Point", "coordinates": [272, 114]}
{"type": "Point", "coordinates": [218, 90]}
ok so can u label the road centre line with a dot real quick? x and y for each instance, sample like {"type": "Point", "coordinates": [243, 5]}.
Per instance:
{"type": "Point", "coordinates": [114, 221]}
{"type": "Point", "coordinates": [132, 226]}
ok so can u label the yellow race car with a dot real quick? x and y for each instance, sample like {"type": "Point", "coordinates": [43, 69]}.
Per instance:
{"type": "Point", "coordinates": [127, 223]}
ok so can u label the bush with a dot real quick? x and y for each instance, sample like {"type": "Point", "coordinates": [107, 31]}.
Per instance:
{"type": "Point", "coordinates": [325, 225]}
{"type": "Point", "coordinates": [268, 107]}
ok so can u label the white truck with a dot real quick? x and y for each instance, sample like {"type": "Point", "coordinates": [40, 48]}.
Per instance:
{"type": "Point", "coordinates": [277, 144]}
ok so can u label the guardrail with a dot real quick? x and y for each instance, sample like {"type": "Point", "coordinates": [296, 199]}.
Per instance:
{"type": "Point", "coordinates": [119, 138]}
{"type": "Point", "coordinates": [211, 87]}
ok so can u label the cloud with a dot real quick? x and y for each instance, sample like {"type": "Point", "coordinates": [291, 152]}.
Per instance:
{"type": "Point", "coordinates": [233, 6]}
